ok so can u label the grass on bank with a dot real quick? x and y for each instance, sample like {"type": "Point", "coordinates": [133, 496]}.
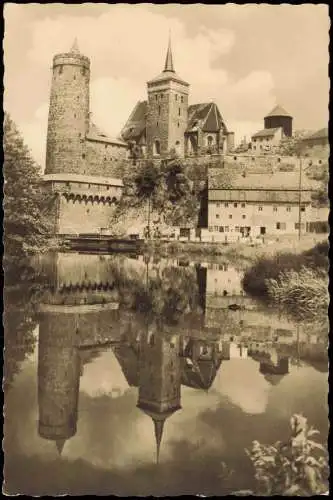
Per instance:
{"type": "Point", "coordinates": [296, 282]}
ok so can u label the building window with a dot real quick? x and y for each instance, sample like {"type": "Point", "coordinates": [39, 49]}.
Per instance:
{"type": "Point", "coordinates": [159, 110]}
{"type": "Point", "coordinates": [83, 155]}
{"type": "Point", "coordinates": [297, 225]}
{"type": "Point", "coordinates": [226, 204]}
{"type": "Point", "coordinates": [156, 97]}
{"type": "Point", "coordinates": [74, 77]}
{"type": "Point", "coordinates": [105, 158]}
{"type": "Point", "coordinates": [235, 157]}
{"type": "Point", "coordinates": [156, 124]}
{"type": "Point", "coordinates": [178, 124]}
{"type": "Point", "coordinates": [88, 210]}
{"type": "Point", "coordinates": [281, 225]}
{"type": "Point", "coordinates": [230, 216]}
{"type": "Point", "coordinates": [181, 98]}
{"type": "Point", "coordinates": [176, 97]}
{"type": "Point", "coordinates": [302, 209]}
{"type": "Point", "coordinates": [237, 229]}
{"type": "Point", "coordinates": [209, 140]}
{"type": "Point", "coordinates": [161, 96]}
{"type": "Point", "coordinates": [243, 205]}
{"type": "Point", "coordinates": [210, 229]}
{"type": "Point", "coordinates": [274, 209]}
{"type": "Point", "coordinates": [226, 229]}
{"type": "Point", "coordinates": [243, 216]}
{"type": "Point", "coordinates": [260, 209]}
{"type": "Point", "coordinates": [221, 229]}
{"type": "Point", "coordinates": [319, 162]}
{"type": "Point", "coordinates": [218, 205]}
{"type": "Point", "coordinates": [288, 209]}
{"type": "Point", "coordinates": [216, 228]}
{"type": "Point", "coordinates": [106, 146]}
{"type": "Point", "coordinates": [74, 115]}
{"type": "Point", "coordinates": [217, 216]}
{"type": "Point", "coordinates": [235, 205]}
{"type": "Point", "coordinates": [279, 159]}
{"type": "Point", "coordinates": [178, 111]}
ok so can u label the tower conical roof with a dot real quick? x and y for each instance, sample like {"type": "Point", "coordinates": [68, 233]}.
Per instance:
{"type": "Point", "coordinates": [168, 60]}
{"type": "Point", "coordinates": [75, 47]}
{"type": "Point", "coordinates": [60, 443]}
{"type": "Point", "coordinates": [158, 428]}
{"type": "Point", "coordinates": [278, 111]}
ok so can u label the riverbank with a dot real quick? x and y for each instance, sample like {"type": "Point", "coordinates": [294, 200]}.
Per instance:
{"type": "Point", "coordinates": [294, 281]}
{"type": "Point", "coordinates": [238, 251]}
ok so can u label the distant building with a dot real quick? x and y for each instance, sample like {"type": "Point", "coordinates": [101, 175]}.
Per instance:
{"type": "Point", "coordinates": [319, 138]}
{"type": "Point", "coordinates": [266, 140]}
{"type": "Point", "coordinates": [166, 121]}
{"type": "Point", "coordinates": [279, 118]}
{"type": "Point", "coordinates": [251, 204]}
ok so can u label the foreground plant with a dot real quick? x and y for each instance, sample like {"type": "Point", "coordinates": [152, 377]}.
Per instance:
{"type": "Point", "coordinates": [298, 467]}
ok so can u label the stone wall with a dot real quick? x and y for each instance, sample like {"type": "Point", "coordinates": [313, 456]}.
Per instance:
{"type": "Point", "coordinates": [68, 114]}
{"type": "Point", "coordinates": [103, 158]}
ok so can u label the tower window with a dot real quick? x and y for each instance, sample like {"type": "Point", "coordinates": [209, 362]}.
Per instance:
{"type": "Point", "coordinates": [178, 111]}
{"type": "Point", "coordinates": [176, 97]}
{"type": "Point", "coordinates": [60, 69]}
{"type": "Point", "coordinates": [83, 155]}
{"type": "Point", "coordinates": [74, 115]}
{"type": "Point", "coordinates": [74, 77]}
{"type": "Point", "coordinates": [178, 124]}
{"type": "Point", "coordinates": [156, 96]}
{"type": "Point", "coordinates": [181, 98]}
{"type": "Point", "coordinates": [83, 71]}
{"type": "Point", "coordinates": [156, 124]}
{"type": "Point", "coordinates": [159, 110]}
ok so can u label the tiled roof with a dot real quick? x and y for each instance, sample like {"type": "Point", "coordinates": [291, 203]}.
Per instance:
{"type": "Point", "coordinates": [95, 134]}
{"type": "Point", "coordinates": [278, 111]}
{"type": "Point", "coordinates": [87, 179]}
{"type": "Point", "coordinates": [284, 181]}
{"type": "Point", "coordinates": [206, 116]}
{"type": "Point", "coordinates": [168, 75]}
{"type": "Point", "coordinates": [320, 134]}
{"type": "Point", "coordinates": [136, 124]}
{"type": "Point", "coordinates": [267, 132]}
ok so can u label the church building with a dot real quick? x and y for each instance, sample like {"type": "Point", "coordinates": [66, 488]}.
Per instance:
{"type": "Point", "coordinates": [166, 121]}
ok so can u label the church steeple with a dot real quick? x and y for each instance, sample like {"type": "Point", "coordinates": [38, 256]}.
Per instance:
{"type": "Point", "coordinates": [168, 60]}
{"type": "Point", "coordinates": [158, 428]}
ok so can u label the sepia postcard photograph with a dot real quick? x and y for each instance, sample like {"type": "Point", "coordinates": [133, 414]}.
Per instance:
{"type": "Point", "coordinates": [166, 236]}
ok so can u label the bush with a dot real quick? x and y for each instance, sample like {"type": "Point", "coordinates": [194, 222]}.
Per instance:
{"type": "Point", "coordinates": [257, 277]}
{"type": "Point", "coordinates": [298, 467]}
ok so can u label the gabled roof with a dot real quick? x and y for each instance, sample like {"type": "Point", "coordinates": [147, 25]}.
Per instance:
{"type": "Point", "coordinates": [136, 124]}
{"type": "Point", "coordinates": [278, 111]}
{"type": "Point", "coordinates": [201, 374]}
{"type": "Point", "coordinates": [226, 178]}
{"type": "Point", "coordinates": [205, 116]}
{"type": "Point", "coordinates": [95, 134]}
{"type": "Point", "coordinates": [320, 134]}
{"type": "Point", "coordinates": [267, 132]}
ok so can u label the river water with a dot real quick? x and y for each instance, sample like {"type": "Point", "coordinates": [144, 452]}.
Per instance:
{"type": "Point", "coordinates": [137, 376]}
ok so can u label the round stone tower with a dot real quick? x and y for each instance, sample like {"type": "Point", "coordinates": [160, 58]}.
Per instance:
{"type": "Point", "coordinates": [58, 377]}
{"type": "Point", "coordinates": [68, 121]}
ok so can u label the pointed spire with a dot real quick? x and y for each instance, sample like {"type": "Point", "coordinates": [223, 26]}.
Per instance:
{"type": "Point", "coordinates": [60, 443]}
{"type": "Point", "coordinates": [168, 60]}
{"type": "Point", "coordinates": [158, 427]}
{"type": "Point", "coordinates": [75, 47]}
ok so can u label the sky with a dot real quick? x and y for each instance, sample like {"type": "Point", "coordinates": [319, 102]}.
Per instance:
{"type": "Point", "coordinates": [247, 58]}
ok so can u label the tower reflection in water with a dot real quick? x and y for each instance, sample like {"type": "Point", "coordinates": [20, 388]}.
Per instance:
{"type": "Point", "coordinates": [81, 313]}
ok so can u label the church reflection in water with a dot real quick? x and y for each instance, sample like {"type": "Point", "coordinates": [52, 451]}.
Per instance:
{"type": "Point", "coordinates": [82, 312]}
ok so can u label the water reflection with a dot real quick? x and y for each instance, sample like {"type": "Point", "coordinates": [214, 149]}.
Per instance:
{"type": "Point", "coordinates": [175, 330]}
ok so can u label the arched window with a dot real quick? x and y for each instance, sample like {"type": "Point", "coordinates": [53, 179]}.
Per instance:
{"type": "Point", "coordinates": [157, 147]}
{"type": "Point", "coordinates": [209, 140]}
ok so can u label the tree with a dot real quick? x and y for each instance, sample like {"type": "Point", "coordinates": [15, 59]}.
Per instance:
{"type": "Point", "coordinates": [146, 184]}
{"type": "Point", "coordinates": [26, 226]}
